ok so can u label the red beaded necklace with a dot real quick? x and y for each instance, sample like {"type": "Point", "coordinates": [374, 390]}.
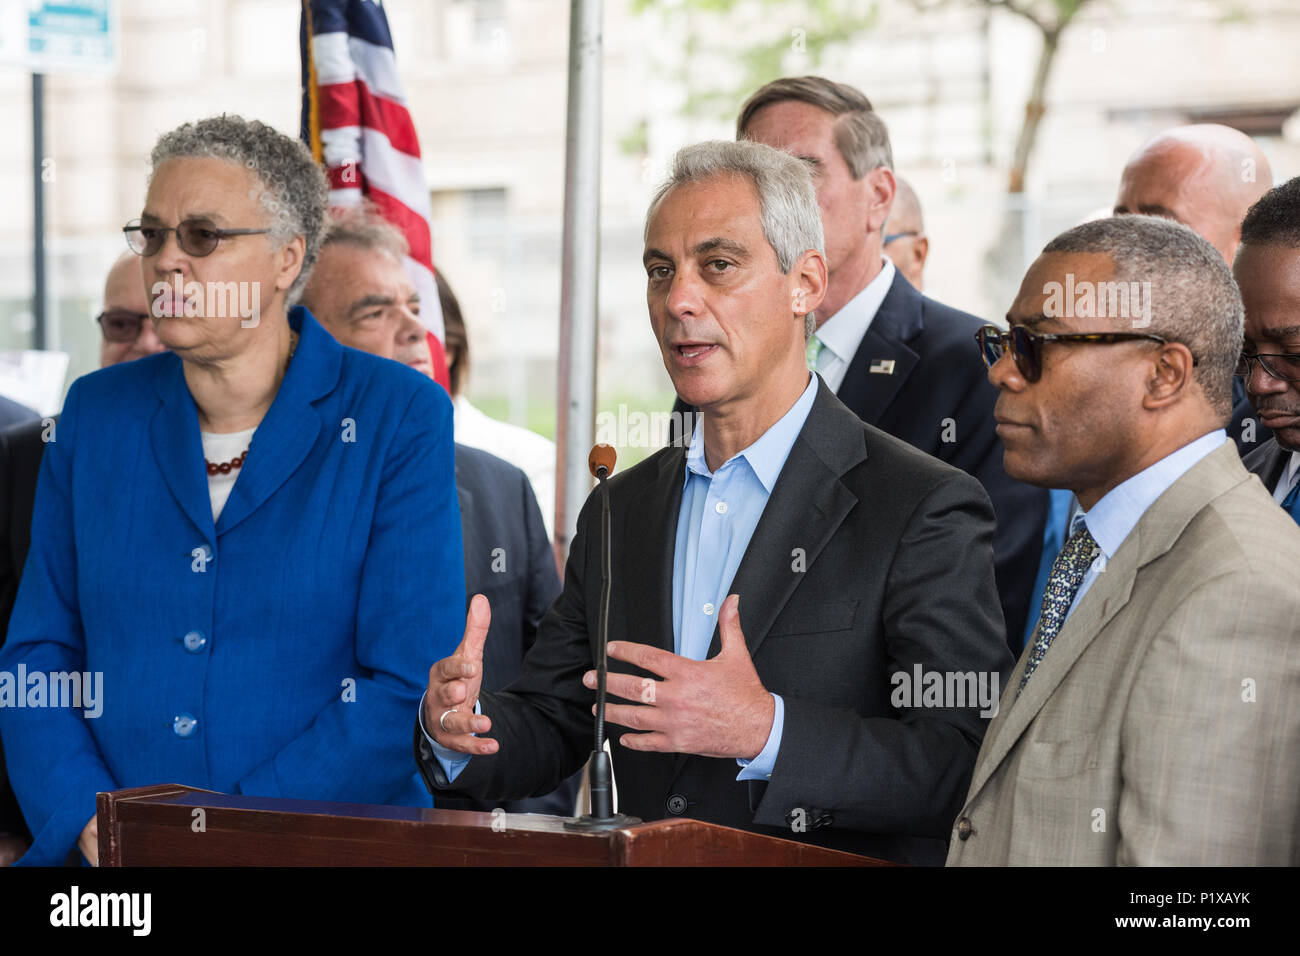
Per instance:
{"type": "Point", "coordinates": [226, 467]}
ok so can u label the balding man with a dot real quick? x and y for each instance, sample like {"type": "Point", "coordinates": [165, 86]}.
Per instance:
{"type": "Point", "coordinates": [1205, 176]}
{"type": "Point", "coordinates": [905, 241]}
{"type": "Point", "coordinates": [126, 334]}
{"type": "Point", "coordinates": [1267, 269]}
{"type": "Point", "coordinates": [1153, 719]}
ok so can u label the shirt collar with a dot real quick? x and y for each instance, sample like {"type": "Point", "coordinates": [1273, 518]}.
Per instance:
{"type": "Point", "coordinates": [1118, 512]}
{"type": "Point", "coordinates": [842, 333]}
{"type": "Point", "coordinates": [1292, 466]}
{"type": "Point", "coordinates": [767, 455]}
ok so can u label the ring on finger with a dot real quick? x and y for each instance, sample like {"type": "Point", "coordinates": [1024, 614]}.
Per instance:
{"type": "Point", "coordinates": [443, 726]}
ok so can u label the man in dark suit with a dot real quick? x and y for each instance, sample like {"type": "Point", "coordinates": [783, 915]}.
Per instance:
{"type": "Point", "coordinates": [778, 587]}
{"type": "Point", "coordinates": [1267, 270]}
{"type": "Point", "coordinates": [898, 359]}
{"type": "Point", "coordinates": [124, 335]}
{"type": "Point", "coordinates": [362, 295]}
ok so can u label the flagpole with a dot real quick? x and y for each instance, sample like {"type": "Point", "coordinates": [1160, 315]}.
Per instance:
{"type": "Point", "coordinates": [580, 263]}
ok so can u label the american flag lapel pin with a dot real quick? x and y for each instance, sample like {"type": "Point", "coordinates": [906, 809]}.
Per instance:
{"type": "Point", "coordinates": [882, 367]}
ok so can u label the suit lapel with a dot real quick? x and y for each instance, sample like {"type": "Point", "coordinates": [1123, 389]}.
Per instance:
{"type": "Point", "coordinates": [1156, 532]}
{"type": "Point", "coordinates": [884, 346]}
{"type": "Point", "coordinates": [291, 426]}
{"type": "Point", "coordinates": [649, 524]}
{"type": "Point", "coordinates": [174, 435]}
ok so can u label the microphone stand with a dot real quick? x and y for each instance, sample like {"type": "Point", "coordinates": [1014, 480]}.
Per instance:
{"type": "Point", "coordinates": [599, 773]}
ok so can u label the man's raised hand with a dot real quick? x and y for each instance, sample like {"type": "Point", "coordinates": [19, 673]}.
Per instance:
{"type": "Point", "coordinates": [454, 684]}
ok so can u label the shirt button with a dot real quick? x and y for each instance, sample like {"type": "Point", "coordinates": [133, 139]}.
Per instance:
{"type": "Point", "coordinates": [708, 609]}
{"type": "Point", "coordinates": [720, 507]}
{"type": "Point", "coordinates": [184, 725]}
{"type": "Point", "coordinates": [194, 641]}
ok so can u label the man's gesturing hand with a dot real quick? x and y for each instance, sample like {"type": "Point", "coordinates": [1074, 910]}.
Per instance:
{"type": "Point", "coordinates": [454, 684]}
{"type": "Point", "coordinates": [714, 708]}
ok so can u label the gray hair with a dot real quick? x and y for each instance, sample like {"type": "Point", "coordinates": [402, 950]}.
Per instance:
{"type": "Point", "coordinates": [1195, 300]}
{"type": "Point", "coordinates": [294, 192]}
{"type": "Point", "coordinates": [860, 134]}
{"type": "Point", "coordinates": [364, 226]}
{"type": "Point", "coordinates": [787, 198]}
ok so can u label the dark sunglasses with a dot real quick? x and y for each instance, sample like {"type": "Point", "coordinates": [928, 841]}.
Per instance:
{"type": "Point", "coordinates": [1283, 367]}
{"type": "Point", "coordinates": [119, 325]}
{"type": "Point", "coordinates": [196, 237]}
{"type": "Point", "coordinates": [1027, 347]}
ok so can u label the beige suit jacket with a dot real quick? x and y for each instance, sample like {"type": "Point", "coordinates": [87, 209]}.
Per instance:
{"type": "Point", "coordinates": [1162, 726]}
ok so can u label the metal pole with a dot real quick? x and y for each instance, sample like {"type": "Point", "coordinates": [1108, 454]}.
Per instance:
{"type": "Point", "coordinates": [38, 211]}
{"type": "Point", "coordinates": [580, 266]}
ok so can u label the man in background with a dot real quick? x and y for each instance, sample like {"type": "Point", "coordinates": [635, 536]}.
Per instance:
{"type": "Point", "coordinates": [905, 241]}
{"type": "Point", "coordinates": [126, 333]}
{"type": "Point", "coordinates": [1267, 269]}
{"type": "Point", "coordinates": [902, 362]}
{"type": "Point", "coordinates": [360, 292]}
{"type": "Point", "coordinates": [1205, 176]}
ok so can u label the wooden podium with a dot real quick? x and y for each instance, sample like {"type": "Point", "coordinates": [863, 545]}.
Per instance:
{"type": "Point", "coordinates": [172, 825]}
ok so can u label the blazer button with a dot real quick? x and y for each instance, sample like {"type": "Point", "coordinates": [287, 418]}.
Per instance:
{"type": "Point", "coordinates": [964, 828]}
{"type": "Point", "coordinates": [194, 641]}
{"type": "Point", "coordinates": [676, 804]}
{"type": "Point", "coordinates": [184, 725]}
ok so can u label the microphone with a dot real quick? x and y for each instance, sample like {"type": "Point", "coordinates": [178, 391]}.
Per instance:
{"type": "Point", "coordinates": [599, 775]}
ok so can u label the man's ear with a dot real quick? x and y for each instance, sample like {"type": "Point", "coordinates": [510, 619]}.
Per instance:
{"type": "Point", "coordinates": [290, 258]}
{"type": "Point", "coordinates": [1171, 376]}
{"type": "Point", "coordinates": [882, 188]}
{"type": "Point", "coordinates": [920, 251]}
{"type": "Point", "coordinates": [808, 287]}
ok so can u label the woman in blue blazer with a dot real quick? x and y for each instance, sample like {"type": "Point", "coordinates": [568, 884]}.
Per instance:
{"type": "Point", "coordinates": [262, 620]}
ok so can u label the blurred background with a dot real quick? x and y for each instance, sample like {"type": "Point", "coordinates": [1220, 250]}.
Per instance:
{"type": "Point", "coordinates": [1011, 120]}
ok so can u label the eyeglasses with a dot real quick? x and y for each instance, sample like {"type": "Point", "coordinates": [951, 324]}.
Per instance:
{"type": "Point", "coordinates": [1027, 347]}
{"type": "Point", "coordinates": [196, 237]}
{"type": "Point", "coordinates": [120, 325]}
{"type": "Point", "coordinates": [897, 235]}
{"type": "Point", "coordinates": [1281, 366]}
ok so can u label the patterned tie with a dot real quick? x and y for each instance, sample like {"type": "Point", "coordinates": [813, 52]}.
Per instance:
{"type": "Point", "coordinates": [811, 351]}
{"type": "Point", "coordinates": [1062, 585]}
{"type": "Point", "coordinates": [1291, 503]}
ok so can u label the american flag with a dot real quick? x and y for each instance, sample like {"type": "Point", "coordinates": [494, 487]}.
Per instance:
{"type": "Point", "coordinates": [355, 119]}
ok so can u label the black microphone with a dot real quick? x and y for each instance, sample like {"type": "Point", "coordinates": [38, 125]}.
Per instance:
{"type": "Point", "coordinates": [599, 775]}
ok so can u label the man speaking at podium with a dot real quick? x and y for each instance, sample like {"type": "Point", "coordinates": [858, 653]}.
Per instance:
{"type": "Point", "coordinates": [775, 585]}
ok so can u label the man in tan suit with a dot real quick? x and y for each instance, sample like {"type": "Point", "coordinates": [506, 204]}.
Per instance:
{"type": "Point", "coordinates": [1154, 718]}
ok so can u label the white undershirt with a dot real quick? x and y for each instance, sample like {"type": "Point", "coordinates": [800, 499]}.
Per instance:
{"type": "Point", "coordinates": [219, 448]}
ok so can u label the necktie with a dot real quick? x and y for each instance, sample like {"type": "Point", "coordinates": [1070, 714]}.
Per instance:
{"type": "Point", "coordinates": [1291, 503]}
{"type": "Point", "coordinates": [811, 351]}
{"type": "Point", "coordinates": [1062, 585]}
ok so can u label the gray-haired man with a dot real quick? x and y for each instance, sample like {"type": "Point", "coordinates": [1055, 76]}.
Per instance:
{"type": "Point", "coordinates": [787, 591]}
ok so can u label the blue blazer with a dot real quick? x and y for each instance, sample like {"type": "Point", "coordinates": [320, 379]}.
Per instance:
{"type": "Point", "coordinates": [278, 653]}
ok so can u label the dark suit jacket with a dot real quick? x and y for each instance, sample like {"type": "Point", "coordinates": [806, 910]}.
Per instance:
{"type": "Point", "coordinates": [508, 558]}
{"type": "Point", "coordinates": [870, 558]}
{"type": "Point", "coordinates": [1267, 461]}
{"type": "Point", "coordinates": [11, 413]}
{"type": "Point", "coordinates": [20, 462]}
{"type": "Point", "coordinates": [939, 390]}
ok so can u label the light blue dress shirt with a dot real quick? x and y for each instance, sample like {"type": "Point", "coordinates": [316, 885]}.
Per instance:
{"type": "Point", "coordinates": [718, 514]}
{"type": "Point", "coordinates": [1118, 512]}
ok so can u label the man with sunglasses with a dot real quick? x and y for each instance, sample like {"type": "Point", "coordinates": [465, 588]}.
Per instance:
{"type": "Point", "coordinates": [1151, 719]}
{"type": "Point", "coordinates": [1267, 269]}
{"type": "Point", "coordinates": [125, 335]}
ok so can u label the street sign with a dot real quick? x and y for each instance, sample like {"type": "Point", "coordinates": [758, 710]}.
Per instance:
{"type": "Point", "coordinates": [60, 36]}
